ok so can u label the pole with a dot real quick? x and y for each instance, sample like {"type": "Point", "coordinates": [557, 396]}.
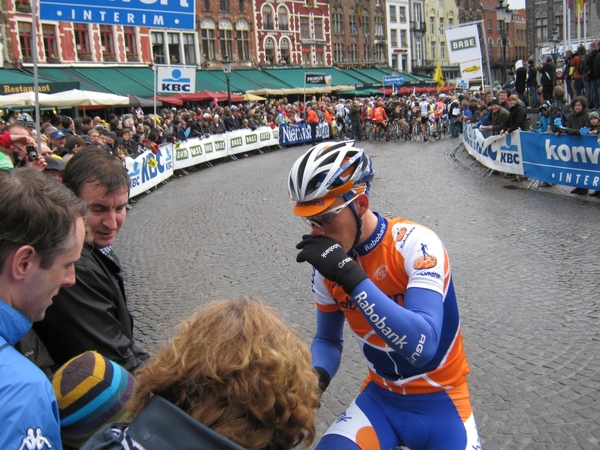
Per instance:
{"type": "Point", "coordinates": [566, 37]}
{"type": "Point", "coordinates": [34, 49]}
{"type": "Point", "coordinates": [228, 91]}
{"type": "Point", "coordinates": [504, 40]}
{"type": "Point", "coordinates": [155, 89]}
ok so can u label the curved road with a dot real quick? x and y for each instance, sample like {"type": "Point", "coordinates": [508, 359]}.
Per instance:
{"type": "Point", "coordinates": [526, 270]}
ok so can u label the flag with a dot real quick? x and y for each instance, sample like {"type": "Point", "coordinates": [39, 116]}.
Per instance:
{"type": "Point", "coordinates": [439, 77]}
{"type": "Point", "coordinates": [580, 5]}
{"type": "Point", "coordinates": [359, 15]}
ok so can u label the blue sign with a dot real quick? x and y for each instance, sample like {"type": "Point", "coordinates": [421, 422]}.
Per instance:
{"type": "Point", "coordinates": [393, 80]}
{"type": "Point", "coordinates": [176, 14]}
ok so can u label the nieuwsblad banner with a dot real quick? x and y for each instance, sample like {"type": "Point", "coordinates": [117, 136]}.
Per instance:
{"type": "Point", "coordinates": [296, 133]}
{"type": "Point", "coordinates": [463, 44]}
{"type": "Point", "coordinates": [567, 160]}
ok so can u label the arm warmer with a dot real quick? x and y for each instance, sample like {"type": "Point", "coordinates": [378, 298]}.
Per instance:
{"type": "Point", "coordinates": [412, 330]}
{"type": "Point", "coordinates": [328, 342]}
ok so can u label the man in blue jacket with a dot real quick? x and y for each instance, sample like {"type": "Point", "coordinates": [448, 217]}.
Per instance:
{"type": "Point", "coordinates": [41, 236]}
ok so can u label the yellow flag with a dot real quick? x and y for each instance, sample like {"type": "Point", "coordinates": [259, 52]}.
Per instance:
{"type": "Point", "coordinates": [439, 77]}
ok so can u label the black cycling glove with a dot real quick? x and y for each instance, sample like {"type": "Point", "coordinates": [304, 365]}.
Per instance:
{"type": "Point", "coordinates": [327, 256]}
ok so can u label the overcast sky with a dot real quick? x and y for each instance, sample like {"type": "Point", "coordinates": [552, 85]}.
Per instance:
{"type": "Point", "coordinates": [516, 4]}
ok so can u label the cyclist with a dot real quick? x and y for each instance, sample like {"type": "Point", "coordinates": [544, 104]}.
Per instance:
{"type": "Point", "coordinates": [379, 118]}
{"type": "Point", "coordinates": [425, 108]}
{"type": "Point", "coordinates": [341, 117]}
{"type": "Point", "coordinates": [391, 280]}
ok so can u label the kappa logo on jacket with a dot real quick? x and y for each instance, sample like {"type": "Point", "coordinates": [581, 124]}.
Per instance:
{"type": "Point", "coordinates": [37, 442]}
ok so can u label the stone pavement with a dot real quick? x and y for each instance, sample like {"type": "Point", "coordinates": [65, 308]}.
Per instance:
{"type": "Point", "coordinates": [525, 262]}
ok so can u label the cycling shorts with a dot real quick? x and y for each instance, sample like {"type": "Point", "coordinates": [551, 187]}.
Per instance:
{"type": "Point", "coordinates": [380, 419]}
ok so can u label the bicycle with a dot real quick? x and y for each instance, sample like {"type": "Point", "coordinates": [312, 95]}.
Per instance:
{"type": "Point", "coordinates": [415, 129]}
{"type": "Point", "coordinates": [431, 131]}
{"type": "Point", "coordinates": [377, 132]}
{"type": "Point", "coordinates": [395, 130]}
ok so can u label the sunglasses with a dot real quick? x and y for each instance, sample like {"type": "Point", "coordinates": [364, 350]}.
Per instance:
{"type": "Point", "coordinates": [328, 216]}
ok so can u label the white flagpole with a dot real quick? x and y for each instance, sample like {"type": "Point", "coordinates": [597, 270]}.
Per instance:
{"type": "Point", "coordinates": [584, 18]}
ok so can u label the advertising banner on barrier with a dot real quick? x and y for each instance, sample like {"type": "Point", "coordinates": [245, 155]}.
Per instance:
{"type": "Point", "coordinates": [148, 169]}
{"type": "Point", "coordinates": [565, 159]}
{"type": "Point", "coordinates": [292, 133]}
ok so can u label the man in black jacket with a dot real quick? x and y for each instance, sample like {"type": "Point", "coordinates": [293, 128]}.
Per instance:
{"type": "Point", "coordinates": [92, 314]}
{"type": "Point", "coordinates": [517, 116]}
{"type": "Point", "coordinates": [532, 84]}
{"type": "Point", "coordinates": [521, 81]}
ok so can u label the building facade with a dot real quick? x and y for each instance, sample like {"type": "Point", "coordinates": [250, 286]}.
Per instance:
{"type": "Point", "coordinates": [398, 25]}
{"type": "Point", "coordinates": [292, 32]}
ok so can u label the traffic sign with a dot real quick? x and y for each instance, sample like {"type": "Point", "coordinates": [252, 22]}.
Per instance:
{"type": "Point", "coordinates": [393, 80]}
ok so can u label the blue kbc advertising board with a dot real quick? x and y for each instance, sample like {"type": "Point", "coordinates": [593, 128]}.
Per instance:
{"type": "Point", "coordinates": [176, 14]}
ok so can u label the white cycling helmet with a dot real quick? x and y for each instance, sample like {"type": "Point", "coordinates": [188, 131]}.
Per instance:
{"type": "Point", "coordinates": [328, 171]}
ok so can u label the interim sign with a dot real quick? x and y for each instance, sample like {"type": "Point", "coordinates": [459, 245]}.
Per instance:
{"type": "Point", "coordinates": [176, 14]}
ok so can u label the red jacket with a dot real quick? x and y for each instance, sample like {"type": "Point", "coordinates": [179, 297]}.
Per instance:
{"type": "Point", "coordinates": [5, 140]}
{"type": "Point", "coordinates": [312, 116]}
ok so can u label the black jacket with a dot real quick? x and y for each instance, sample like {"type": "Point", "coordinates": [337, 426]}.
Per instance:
{"type": "Point", "coordinates": [92, 315]}
{"type": "Point", "coordinates": [517, 118]}
{"type": "Point", "coordinates": [532, 76]}
{"type": "Point", "coordinates": [521, 79]}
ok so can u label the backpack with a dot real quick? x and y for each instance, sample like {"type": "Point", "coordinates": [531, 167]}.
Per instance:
{"type": "Point", "coordinates": [161, 425]}
{"type": "Point", "coordinates": [584, 67]}
{"type": "Point", "coordinates": [378, 114]}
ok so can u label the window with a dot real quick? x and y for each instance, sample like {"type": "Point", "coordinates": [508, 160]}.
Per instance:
{"type": "Point", "coordinates": [208, 44]}
{"type": "Point", "coordinates": [158, 47]}
{"type": "Point", "coordinates": [284, 49]}
{"type": "Point", "coordinates": [226, 43]}
{"type": "Point", "coordinates": [352, 19]}
{"type": "Point", "coordinates": [304, 28]}
{"type": "Point", "coordinates": [403, 40]}
{"type": "Point", "coordinates": [392, 13]}
{"type": "Point", "coordinates": [49, 34]}
{"type": "Point", "coordinates": [394, 37]}
{"type": "Point", "coordinates": [365, 24]}
{"type": "Point", "coordinates": [402, 14]}
{"type": "Point", "coordinates": [108, 43]}
{"type": "Point", "coordinates": [432, 25]}
{"type": "Point", "coordinates": [379, 27]}
{"type": "Point", "coordinates": [243, 45]}
{"type": "Point", "coordinates": [490, 45]}
{"type": "Point", "coordinates": [450, 21]}
{"type": "Point", "coordinates": [224, 5]}
{"type": "Point", "coordinates": [25, 36]}
{"type": "Point", "coordinates": [338, 53]}
{"type": "Point", "coordinates": [282, 18]}
{"type": "Point", "coordinates": [417, 13]}
{"type": "Point", "coordinates": [269, 51]}
{"type": "Point", "coordinates": [318, 22]}
{"type": "Point", "coordinates": [320, 56]}
{"type": "Point", "coordinates": [130, 43]}
{"type": "Point", "coordinates": [207, 5]}
{"type": "Point", "coordinates": [23, 6]}
{"type": "Point", "coordinates": [267, 18]}
{"type": "Point", "coordinates": [418, 50]}
{"type": "Point", "coordinates": [82, 41]}
{"type": "Point", "coordinates": [337, 23]}
{"type": "Point", "coordinates": [489, 26]}
{"type": "Point", "coordinates": [442, 50]}
{"type": "Point", "coordinates": [541, 29]}
{"type": "Point", "coordinates": [353, 53]}
{"type": "Point", "coordinates": [174, 50]}
{"type": "Point", "coordinates": [306, 56]}
{"type": "Point", "coordinates": [241, 6]}
{"type": "Point", "coordinates": [189, 48]}
{"type": "Point", "coordinates": [433, 45]}
{"type": "Point", "coordinates": [441, 25]}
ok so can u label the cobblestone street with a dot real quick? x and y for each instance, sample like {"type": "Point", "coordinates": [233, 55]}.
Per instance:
{"type": "Point", "coordinates": [525, 267]}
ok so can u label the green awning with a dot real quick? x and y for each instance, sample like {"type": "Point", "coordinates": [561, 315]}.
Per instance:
{"type": "Point", "coordinates": [250, 80]}
{"type": "Point", "coordinates": [117, 82]}
{"type": "Point", "coordinates": [340, 77]}
{"type": "Point", "coordinates": [67, 74]}
{"type": "Point", "coordinates": [12, 76]}
{"type": "Point", "coordinates": [294, 78]}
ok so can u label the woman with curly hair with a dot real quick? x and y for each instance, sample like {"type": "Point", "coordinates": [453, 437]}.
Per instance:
{"type": "Point", "coordinates": [236, 368]}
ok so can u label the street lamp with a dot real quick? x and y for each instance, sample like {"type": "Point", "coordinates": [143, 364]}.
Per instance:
{"type": "Point", "coordinates": [226, 63]}
{"type": "Point", "coordinates": [554, 39]}
{"type": "Point", "coordinates": [504, 16]}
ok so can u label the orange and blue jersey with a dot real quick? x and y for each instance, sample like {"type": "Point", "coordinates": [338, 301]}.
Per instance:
{"type": "Point", "coordinates": [405, 319]}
